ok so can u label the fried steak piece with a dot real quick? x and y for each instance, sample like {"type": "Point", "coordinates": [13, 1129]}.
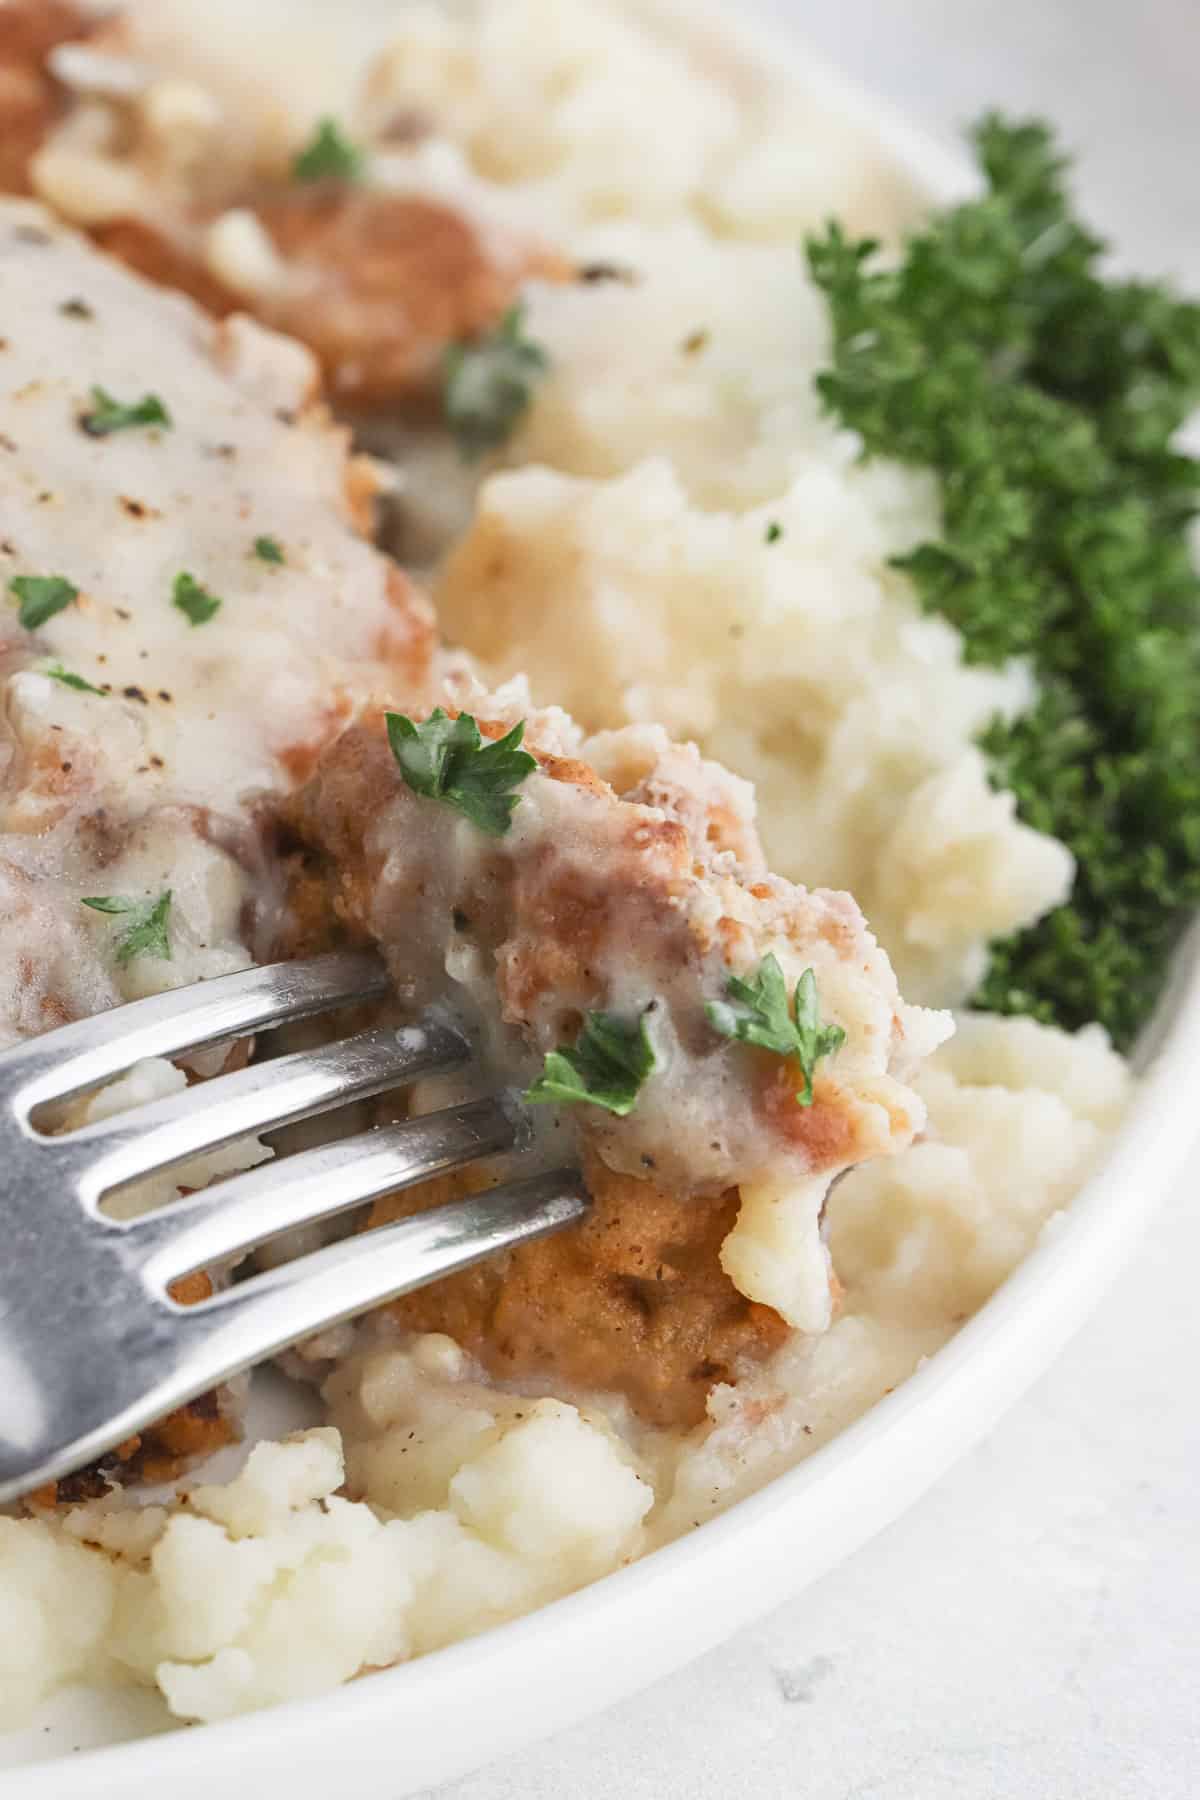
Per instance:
{"type": "Point", "coordinates": [170, 177]}
{"type": "Point", "coordinates": [632, 882]}
{"type": "Point", "coordinates": [32, 100]}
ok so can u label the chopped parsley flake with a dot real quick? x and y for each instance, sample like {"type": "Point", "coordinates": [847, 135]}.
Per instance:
{"type": "Point", "coordinates": [268, 550]}
{"type": "Point", "coordinates": [108, 415]}
{"type": "Point", "coordinates": [487, 384]}
{"type": "Point", "coordinates": [146, 933]}
{"type": "Point", "coordinates": [41, 596]}
{"type": "Point", "coordinates": [447, 759]}
{"type": "Point", "coordinates": [757, 1012]}
{"type": "Point", "coordinates": [773, 533]}
{"type": "Point", "coordinates": [607, 1066]}
{"type": "Point", "coordinates": [56, 672]}
{"type": "Point", "coordinates": [194, 602]}
{"type": "Point", "coordinates": [328, 156]}
{"type": "Point", "coordinates": [1047, 396]}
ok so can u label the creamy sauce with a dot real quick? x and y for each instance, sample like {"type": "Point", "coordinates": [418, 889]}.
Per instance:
{"type": "Point", "coordinates": [152, 785]}
{"type": "Point", "coordinates": [630, 902]}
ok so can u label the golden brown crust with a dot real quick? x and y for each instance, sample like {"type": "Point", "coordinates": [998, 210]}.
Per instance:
{"type": "Point", "coordinates": [30, 99]}
{"type": "Point", "coordinates": [383, 282]}
{"type": "Point", "coordinates": [377, 284]}
{"type": "Point", "coordinates": [152, 253]}
{"type": "Point", "coordinates": [633, 1301]}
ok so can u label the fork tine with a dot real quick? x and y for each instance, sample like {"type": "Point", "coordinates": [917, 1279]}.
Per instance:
{"type": "Point", "coordinates": [263, 1096]}
{"type": "Point", "coordinates": [260, 1316]}
{"type": "Point", "coordinates": [147, 1354]}
{"type": "Point", "coordinates": [89, 1051]}
{"type": "Point", "coordinates": [248, 1209]}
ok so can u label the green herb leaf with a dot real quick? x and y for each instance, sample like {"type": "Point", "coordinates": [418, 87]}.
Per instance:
{"type": "Point", "coordinates": [41, 596]}
{"type": "Point", "coordinates": [56, 672]}
{"type": "Point", "coordinates": [446, 759]}
{"type": "Point", "coordinates": [194, 602]}
{"type": "Point", "coordinates": [757, 1012]}
{"type": "Point", "coordinates": [268, 550]}
{"type": "Point", "coordinates": [611, 1059]}
{"type": "Point", "coordinates": [328, 156]}
{"type": "Point", "coordinates": [108, 415]}
{"type": "Point", "coordinates": [146, 934]}
{"type": "Point", "coordinates": [488, 384]}
{"type": "Point", "coordinates": [773, 532]}
{"type": "Point", "coordinates": [1046, 396]}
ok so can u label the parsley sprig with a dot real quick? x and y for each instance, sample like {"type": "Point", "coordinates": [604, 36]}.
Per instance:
{"type": "Point", "coordinates": [147, 931]}
{"type": "Point", "coordinates": [41, 596]}
{"type": "Point", "coordinates": [108, 415]}
{"type": "Point", "coordinates": [328, 155]}
{"type": "Point", "coordinates": [1046, 396]}
{"type": "Point", "coordinates": [195, 602]}
{"type": "Point", "coordinates": [758, 1012]}
{"type": "Point", "coordinates": [487, 384]}
{"type": "Point", "coordinates": [607, 1066]}
{"type": "Point", "coordinates": [68, 678]}
{"type": "Point", "coordinates": [446, 759]}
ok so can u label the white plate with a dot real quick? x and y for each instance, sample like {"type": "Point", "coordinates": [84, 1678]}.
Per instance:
{"type": "Point", "coordinates": [436, 1718]}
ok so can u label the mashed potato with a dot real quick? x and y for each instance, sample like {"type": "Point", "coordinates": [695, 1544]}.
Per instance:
{"type": "Point", "coordinates": [675, 534]}
{"type": "Point", "coordinates": [468, 1505]}
{"type": "Point", "coordinates": [803, 663]}
{"type": "Point", "coordinates": [274, 1586]}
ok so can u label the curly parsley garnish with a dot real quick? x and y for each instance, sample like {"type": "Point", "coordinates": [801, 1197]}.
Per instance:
{"type": "Point", "coordinates": [487, 384]}
{"type": "Point", "coordinates": [268, 550]}
{"type": "Point", "coordinates": [758, 1012]}
{"type": "Point", "coordinates": [146, 933]}
{"type": "Point", "coordinates": [56, 672]}
{"type": "Point", "coordinates": [41, 596]}
{"type": "Point", "coordinates": [108, 415]}
{"type": "Point", "coordinates": [194, 602]}
{"type": "Point", "coordinates": [1047, 396]}
{"type": "Point", "coordinates": [446, 759]}
{"type": "Point", "coordinates": [609, 1062]}
{"type": "Point", "coordinates": [328, 156]}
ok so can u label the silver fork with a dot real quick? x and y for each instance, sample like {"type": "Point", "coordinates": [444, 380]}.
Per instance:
{"type": "Point", "coordinates": [92, 1346]}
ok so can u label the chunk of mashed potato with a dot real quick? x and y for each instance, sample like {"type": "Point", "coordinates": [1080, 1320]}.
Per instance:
{"type": "Point", "coordinates": [275, 1586]}
{"type": "Point", "coordinates": [1020, 1114]}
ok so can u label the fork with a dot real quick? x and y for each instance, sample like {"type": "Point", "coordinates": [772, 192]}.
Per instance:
{"type": "Point", "coordinates": [92, 1346]}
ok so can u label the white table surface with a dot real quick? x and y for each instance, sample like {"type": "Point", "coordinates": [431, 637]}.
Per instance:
{"type": "Point", "coordinates": [1031, 1630]}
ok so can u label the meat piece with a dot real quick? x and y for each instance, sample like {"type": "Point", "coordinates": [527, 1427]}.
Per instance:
{"type": "Point", "coordinates": [376, 284]}
{"type": "Point", "coordinates": [643, 897]}
{"type": "Point", "coordinates": [635, 1300]}
{"type": "Point", "coordinates": [31, 100]}
{"type": "Point", "coordinates": [149, 775]}
{"type": "Point", "coordinates": [596, 900]}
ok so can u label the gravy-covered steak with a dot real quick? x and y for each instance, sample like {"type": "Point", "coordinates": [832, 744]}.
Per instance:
{"type": "Point", "coordinates": [180, 177]}
{"type": "Point", "coordinates": [191, 614]}
{"type": "Point", "coordinates": [717, 1044]}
